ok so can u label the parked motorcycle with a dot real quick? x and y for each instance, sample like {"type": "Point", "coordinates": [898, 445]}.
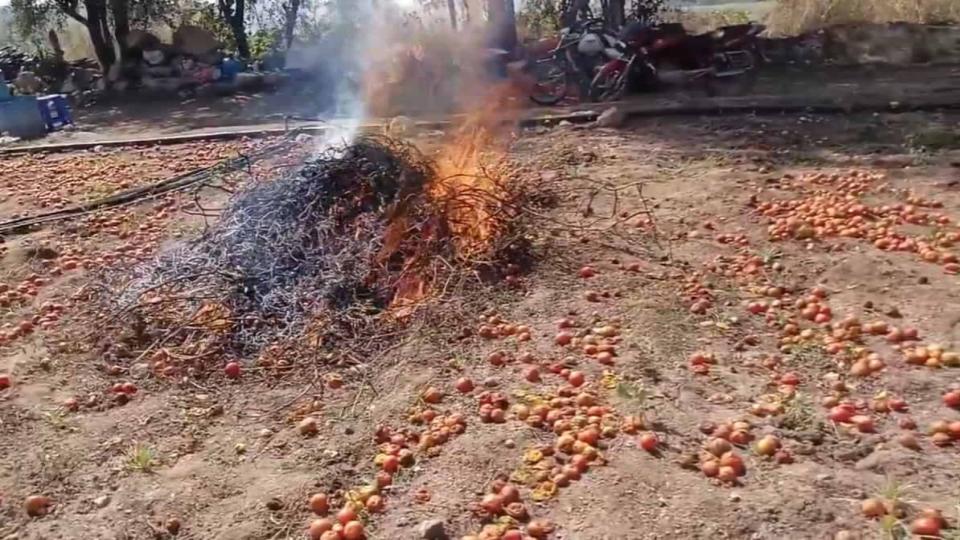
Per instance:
{"type": "Point", "coordinates": [666, 56]}
{"type": "Point", "coordinates": [573, 60]}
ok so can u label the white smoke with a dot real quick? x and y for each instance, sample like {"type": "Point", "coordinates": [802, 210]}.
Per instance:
{"type": "Point", "coordinates": [360, 31]}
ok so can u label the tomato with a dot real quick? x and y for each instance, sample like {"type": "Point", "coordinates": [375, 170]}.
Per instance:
{"type": "Point", "coordinates": [492, 503]}
{"type": "Point", "coordinates": [727, 474]}
{"type": "Point", "coordinates": [925, 526]}
{"type": "Point", "coordinates": [232, 370]}
{"type": "Point", "coordinates": [432, 395]}
{"type": "Point", "coordinates": [768, 445]}
{"type": "Point", "coordinates": [318, 527]}
{"type": "Point", "coordinates": [648, 441]}
{"type": "Point", "coordinates": [464, 385]}
{"type": "Point", "coordinates": [872, 508]}
{"type": "Point", "coordinates": [734, 461]}
{"type": "Point", "coordinates": [318, 504]}
{"type": "Point", "coordinates": [952, 399]}
{"type": "Point", "coordinates": [391, 464]}
{"type": "Point", "coordinates": [346, 515]}
{"type": "Point", "coordinates": [353, 531]}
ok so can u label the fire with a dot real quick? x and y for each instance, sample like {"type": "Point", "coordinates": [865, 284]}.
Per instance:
{"type": "Point", "coordinates": [471, 172]}
{"type": "Point", "coordinates": [470, 191]}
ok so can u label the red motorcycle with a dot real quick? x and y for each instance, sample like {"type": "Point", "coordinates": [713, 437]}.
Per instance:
{"type": "Point", "coordinates": [667, 56]}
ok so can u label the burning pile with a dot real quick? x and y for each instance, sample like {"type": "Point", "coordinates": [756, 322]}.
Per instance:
{"type": "Point", "coordinates": [358, 231]}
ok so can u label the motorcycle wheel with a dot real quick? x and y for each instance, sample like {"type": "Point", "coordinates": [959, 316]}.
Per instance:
{"type": "Point", "coordinates": [552, 82]}
{"type": "Point", "coordinates": [739, 85]}
{"type": "Point", "coordinates": [610, 86]}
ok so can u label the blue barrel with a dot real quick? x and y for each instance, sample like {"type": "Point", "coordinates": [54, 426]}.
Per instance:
{"type": "Point", "coordinates": [20, 117]}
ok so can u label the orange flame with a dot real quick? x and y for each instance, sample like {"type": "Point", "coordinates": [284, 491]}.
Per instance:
{"type": "Point", "coordinates": [468, 168]}
{"type": "Point", "coordinates": [469, 192]}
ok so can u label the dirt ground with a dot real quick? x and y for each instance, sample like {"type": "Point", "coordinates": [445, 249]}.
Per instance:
{"type": "Point", "coordinates": [715, 293]}
{"type": "Point", "coordinates": [128, 117]}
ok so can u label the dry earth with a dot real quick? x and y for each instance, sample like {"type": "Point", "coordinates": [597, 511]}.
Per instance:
{"type": "Point", "coordinates": [675, 218]}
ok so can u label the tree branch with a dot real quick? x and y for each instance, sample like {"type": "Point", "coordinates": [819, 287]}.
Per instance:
{"type": "Point", "coordinates": [69, 8]}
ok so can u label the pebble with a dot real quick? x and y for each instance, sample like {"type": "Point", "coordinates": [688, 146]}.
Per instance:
{"type": "Point", "coordinates": [307, 426]}
{"type": "Point", "coordinates": [432, 530]}
{"type": "Point", "coordinates": [140, 370]}
{"type": "Point", "coordinates": [611, 118]}
{"type": "Point", "coordinates": [735, 497]}
{"type": "Point", "coordinates": [101, 501]}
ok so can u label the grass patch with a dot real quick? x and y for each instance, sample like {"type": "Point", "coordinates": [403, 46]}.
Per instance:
{"type": "Point", "coordinates": [892, 528]}
{"type": "Point", "coordinates": [794, 17]}
{"type": "Point", "coordinates": [141, 458]}
{"type": "Point", "coordinates": [58, 420]}
{"type": "Point", "coordinates": [699, 21]}
{"type": "Point", "coordinates": [808, 354]}
{"type": "Point", "coordinates": [800, 414]}
{"type": "Point", "coordinates": [933, 140]}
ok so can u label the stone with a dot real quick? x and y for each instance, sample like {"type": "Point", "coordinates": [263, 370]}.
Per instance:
{"type": "Point", "coordinates": [27, 83]}
{"type": "Point", "coordinates": [141, 39]}
{"type": "Point", "coordinates": [400, 126]}
{"type": "Point", "coordinates": [611, 118]}
{"type": "Point", "coordinates": [307, 426]}
{"type": "Point", "coordinates": [433, 530]}
{"type": "Point", "coordinates": [140, 370]}
{"type": "Point", "coordinates": [876, 460]}
{"type": "Point", "coordinates": [101, 501]}
{"type": "Point", "coordinates": [194, 40]}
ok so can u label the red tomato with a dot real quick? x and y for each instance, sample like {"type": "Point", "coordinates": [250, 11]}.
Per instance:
{"type": "Point", "coordinates": [232, 370]}
{"type": "Point", "coordinates": [648, 441]}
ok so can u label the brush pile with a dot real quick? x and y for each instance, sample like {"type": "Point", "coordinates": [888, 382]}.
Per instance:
{"type": "Point", "coordinates": [357, 232]}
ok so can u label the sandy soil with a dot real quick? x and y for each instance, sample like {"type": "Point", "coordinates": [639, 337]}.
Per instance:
{"type": "Point", "coordinates": [673, 216]}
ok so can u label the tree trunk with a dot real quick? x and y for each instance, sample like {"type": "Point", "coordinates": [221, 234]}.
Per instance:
{"type": "Point", "coordinates": [616, 13]}
{"type": "Point", "coordinates": [503, 23]}
{"type": "Point", "coordinates": [290, 12]}
{"type": "Point", "coordinates": [452, 8]}
{"type": "Point", "coordinates": [120, 11]}
{"type": "Point", "coordinates": [95, 21]}
{"type": "Point", "coordinates": [100, 36]}
{"type": "Point", "coordinates": [233, 13]}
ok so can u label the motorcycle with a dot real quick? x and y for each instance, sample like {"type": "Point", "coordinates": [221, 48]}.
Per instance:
{"type": "Point", "coordinates": [652, 58]}
{"type": "Point", "coordinates": [573, 59]}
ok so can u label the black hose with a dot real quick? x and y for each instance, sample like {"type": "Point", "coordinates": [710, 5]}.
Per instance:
{"type": "Point", "coordinates": [195, 177]}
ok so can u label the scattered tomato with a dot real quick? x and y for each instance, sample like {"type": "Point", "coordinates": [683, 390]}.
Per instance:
{"type": "Point", "coordinates": [318, 504]}
{"type": "Point", "coordinates": [464, 385]}
{"type": "Point", "coordinates": [648, 441]}
{"type": "Point", "coordinates": [232, 370]}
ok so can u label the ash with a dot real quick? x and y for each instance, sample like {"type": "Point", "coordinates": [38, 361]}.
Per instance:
{"type": "Point", "coordinates": [283, 252]}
